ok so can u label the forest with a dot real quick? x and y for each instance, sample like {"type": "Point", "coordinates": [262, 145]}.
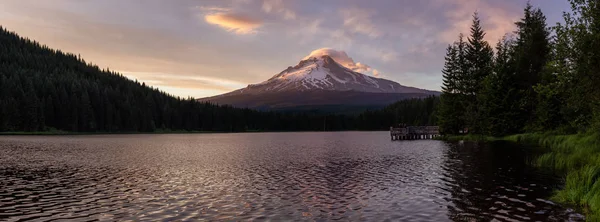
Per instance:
{"type": "Point", "coordinates": [43, 89]}
{"type": "Point", "coordinates": [539, 86]}
{"type": "Point", "coordinates": [538, 79]}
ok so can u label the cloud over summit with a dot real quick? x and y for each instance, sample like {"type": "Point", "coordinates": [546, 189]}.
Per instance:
{"type": "Point", "coordinates": [343, 59]}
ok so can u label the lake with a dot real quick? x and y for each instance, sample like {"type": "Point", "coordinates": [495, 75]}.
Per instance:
{"type": "Point", "coordinates": [271, 176]}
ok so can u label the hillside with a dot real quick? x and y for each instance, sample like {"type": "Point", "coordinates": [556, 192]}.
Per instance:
{"type": "Point", "coordinates": [42, 89]}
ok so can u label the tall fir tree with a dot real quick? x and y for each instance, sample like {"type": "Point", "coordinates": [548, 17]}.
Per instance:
{"type": "Point", "coordinates": [531, 53]}
{"type": "Point", "coordinates": [462, 66]}
{"type": "Point", "coordinates": [451, 112]}
{"type": "Point", "coordinates": [479, 59]}
{"type": "Point", "coordinates": [499, 93]}
{"type": "Point", "coordinates": [449, 73]}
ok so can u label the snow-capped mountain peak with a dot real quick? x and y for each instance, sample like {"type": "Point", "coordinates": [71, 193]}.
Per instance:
{"type": "Point", "coordinates": [321, 72]}
{"type": "Point", "coordinates": [311, 68]}
{"type": "Point", "coordinates": [325, 77]}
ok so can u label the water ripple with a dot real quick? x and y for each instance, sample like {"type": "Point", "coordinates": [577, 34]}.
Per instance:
{"type": "Point", "coordinates": [272, 176]}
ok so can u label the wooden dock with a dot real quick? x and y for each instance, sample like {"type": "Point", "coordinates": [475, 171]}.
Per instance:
{"type": "Point", "coordinates": [414, 132]}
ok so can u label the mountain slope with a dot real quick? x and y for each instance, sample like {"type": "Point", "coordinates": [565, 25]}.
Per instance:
{"type": "Point", "coordinates": [319, 81]}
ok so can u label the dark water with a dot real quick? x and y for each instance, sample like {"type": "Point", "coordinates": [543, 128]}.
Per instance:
{"type": "Point", "coordinates": [277, 176]}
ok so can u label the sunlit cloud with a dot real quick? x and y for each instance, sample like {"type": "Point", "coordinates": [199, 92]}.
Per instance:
{"type": "Point", "coordinates": [213, 9]}
{"type": "Point", "coordinates": [237, 23]}
{"type": "Point", "coordinates": [496, 21]}
{"type": "Point", "coordinates": [376, 73]}
{"type": "Point", "coordinates": [184, 81]}
{"type": "Point", "coordinates": [343, 59]}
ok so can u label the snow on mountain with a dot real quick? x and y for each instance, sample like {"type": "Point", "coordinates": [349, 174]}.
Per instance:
{"type": "Point", "coordinates": [320, 75]}
{"type": "Point", "coordinates": [324, 73]}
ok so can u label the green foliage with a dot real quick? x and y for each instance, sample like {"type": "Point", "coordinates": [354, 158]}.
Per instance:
{"type": "Point", "coordinates": [579, 156]}
{"type": "Point", "coordinates": [416, 112]}
{"type": "Point", "coordinates": [577, 64]}
{"type": "Point", "coordinates": [504, 94]}
{"type": "Point", "coordinates": [450, 106]}
{"type": "Point", "coordinates": [450, 73]}
{"type": "Point", "coordinates": [467, 66]}
{"type": "Point", "coordinates": [497, 97]}
{"type": "Point", "coordinates": [479, 57]}
{"type": "Point", "coordinates": [540, 84]}
{"type": "Point", "coordinates": [531, 55]}
{"type": "Point", "coordinates": [469, 137]}
{"type": "Point", "coordinates": [451, 109]}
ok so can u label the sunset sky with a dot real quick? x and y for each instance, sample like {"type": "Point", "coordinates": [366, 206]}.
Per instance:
{"type": "Point", "coordinates": [206, 47]}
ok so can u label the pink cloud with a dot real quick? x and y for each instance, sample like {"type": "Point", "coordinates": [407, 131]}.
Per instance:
{"type": "Point", "coordinates": [240, 24]}
{"type": "Point", "coordinates": [497, 21]}
{"type": "Point", "coordinates": [343, 59]}
{"type": "Point", "coordinates": [376, 73]}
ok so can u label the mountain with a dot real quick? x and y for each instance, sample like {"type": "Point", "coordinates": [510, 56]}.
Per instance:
{"type": "Point", "coordinates": [319, 80]}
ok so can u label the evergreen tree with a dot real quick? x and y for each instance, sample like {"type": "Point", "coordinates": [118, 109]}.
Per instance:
{"type": "Point", "coordinates": [533, 84]}
{"type": "Point", "coordinates": [463, 67]}
{"type": "Point", "coordinates": [450, 112]}
{"type": "Point", "coordinates": [497, 98]}
{"type": "Point", "coordinates": [479, 59]}
{"type": "Point", "coordinates": [532, 53]}
{"type": "Point", "coordinates": [579, 62]}
{"type": "Point", "coordinates": [449, 73]}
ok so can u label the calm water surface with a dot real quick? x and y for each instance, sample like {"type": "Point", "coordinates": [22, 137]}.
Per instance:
{"type": "Point", "coordinates": [275, 176]}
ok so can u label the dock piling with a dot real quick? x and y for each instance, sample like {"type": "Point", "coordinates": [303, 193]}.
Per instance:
{"type": "Point", "coordinates": [414, 132]}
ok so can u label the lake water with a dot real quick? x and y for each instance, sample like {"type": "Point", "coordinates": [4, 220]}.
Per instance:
{"type": "Point", "coordinates": [277, 176]}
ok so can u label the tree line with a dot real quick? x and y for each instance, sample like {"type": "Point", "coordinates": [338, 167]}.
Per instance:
{"type": "Point", "coordinates": [539, 78]}
{"type": "Point", "coordinates": [42, 89]}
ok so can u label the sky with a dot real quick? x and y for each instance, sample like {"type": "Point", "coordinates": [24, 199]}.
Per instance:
{"type": "Point", "coordinates": [201, 48]}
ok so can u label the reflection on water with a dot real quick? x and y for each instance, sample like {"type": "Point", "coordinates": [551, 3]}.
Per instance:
{"type": "Point", "coordinates": [278, 176]}
{"type": "Point", "coordinates": [495, 181]}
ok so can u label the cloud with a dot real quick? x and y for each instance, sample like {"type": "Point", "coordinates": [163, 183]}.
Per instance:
{"type": "Point", "coordinates": [361, 67]}
{"type": "Point", "coordinates": [359, 21]}
{"type": "Point", "coordinates": [185, 81]}
{"type": "Point", "coordinates": [343, 59]}
{"type": "Point", "coordinates": [240, 24]}
{"type": "Point", "coordinates": [497, 18]}
{"type": "Point", "coordinates": [213, 9]}
{"type": "Point", "coordinates": [277, 6]}
{"type": "Point", "coordinates": [376, 73]}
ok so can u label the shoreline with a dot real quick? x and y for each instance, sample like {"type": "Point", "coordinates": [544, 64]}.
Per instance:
{"type": "Point", "coordinates": [68, 133]}
{"type": "Point", "coordinates": [577, 155]}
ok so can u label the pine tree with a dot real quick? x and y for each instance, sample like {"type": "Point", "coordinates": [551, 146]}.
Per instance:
{"type": "Point", "coordinates": [532, 53]}
{"type": "Point", "coordinates": [449, 73]}
{"type": "Point", "coordinates": [479, 58]}
{"type": "Point", "coordinates": [497, 98]}
{"type": "Point", "coordinates": [450, 114]}
{"type": "Point", "coordinates": [462, 66]}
